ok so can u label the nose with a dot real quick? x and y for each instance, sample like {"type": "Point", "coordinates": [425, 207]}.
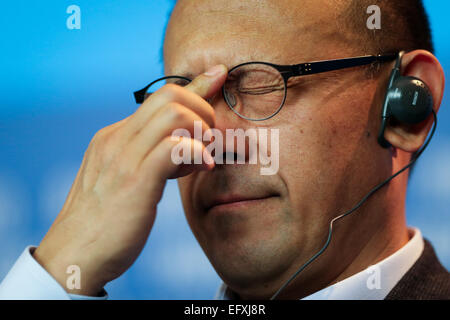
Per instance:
{"type": "Point", "coordinates": [237, 139]}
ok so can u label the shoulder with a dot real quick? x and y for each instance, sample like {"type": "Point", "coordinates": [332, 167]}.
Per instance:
{"type": "Point", "coordinates": [427, 279]}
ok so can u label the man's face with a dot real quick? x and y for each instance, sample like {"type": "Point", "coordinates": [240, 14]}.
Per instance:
{"type": "Point", "coordinates": [328, 155]}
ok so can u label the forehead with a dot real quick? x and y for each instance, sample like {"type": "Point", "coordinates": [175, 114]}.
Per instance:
{"type": "Point", "coordinates": [203, 33]}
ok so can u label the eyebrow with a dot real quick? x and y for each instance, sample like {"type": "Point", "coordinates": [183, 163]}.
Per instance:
{"type": "Point", "coordinates": [188, 75]}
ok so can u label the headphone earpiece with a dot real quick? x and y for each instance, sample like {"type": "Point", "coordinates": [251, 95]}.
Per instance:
{"type": "Point", "coordinates": [408, 100]}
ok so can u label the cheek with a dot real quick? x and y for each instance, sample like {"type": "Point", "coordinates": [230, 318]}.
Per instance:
{"type": "Point", "coordinates": [323, 144]}
{"type": "Point", "coordinates": [308, 148]}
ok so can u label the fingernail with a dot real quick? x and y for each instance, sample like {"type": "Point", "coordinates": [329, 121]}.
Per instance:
{"type": "Point", "coordinates": [214, 71]}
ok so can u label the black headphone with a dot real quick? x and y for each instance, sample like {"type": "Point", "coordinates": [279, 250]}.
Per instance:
{"type": "Point", "coordinates": [408, 100]}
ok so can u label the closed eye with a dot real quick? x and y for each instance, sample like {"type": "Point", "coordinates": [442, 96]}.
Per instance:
{"type": "Point", "coordinates": [261, 89]}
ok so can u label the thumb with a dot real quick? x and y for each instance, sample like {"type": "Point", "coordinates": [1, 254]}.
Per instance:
{"type": "Point", "coordinates": [206, 84]}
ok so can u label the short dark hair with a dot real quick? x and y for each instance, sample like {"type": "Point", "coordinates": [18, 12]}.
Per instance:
{"type": "Point", "coordinates": [404, 25]}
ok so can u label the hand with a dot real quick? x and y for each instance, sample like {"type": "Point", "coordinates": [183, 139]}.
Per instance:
{"type": "Point", "coordinates": [111, 206]}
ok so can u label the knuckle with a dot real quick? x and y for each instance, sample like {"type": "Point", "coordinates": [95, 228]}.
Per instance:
{"type": "Point", "coordinates": [170, 91]}
{"type": "Point", "coordinates": [102, 143]}
{"type": "Point", "coordinates": [177, 112]}
{"type": "Point", "coordinates": [168, 143]}
{"type": "Point", "coordinates": [98, 137]}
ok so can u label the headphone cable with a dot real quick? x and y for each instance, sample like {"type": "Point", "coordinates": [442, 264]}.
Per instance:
{"type": "Point", "coordinates": [360, 203]}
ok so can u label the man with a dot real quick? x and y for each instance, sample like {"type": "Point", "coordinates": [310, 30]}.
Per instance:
{"type": "Point", "coordinates": [258, 229]}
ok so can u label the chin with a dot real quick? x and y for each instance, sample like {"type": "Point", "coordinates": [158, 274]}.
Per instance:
{"type": "Point", "coordinates": [251, 265]}
{"type": "Point", "coordinates": [244, 254]}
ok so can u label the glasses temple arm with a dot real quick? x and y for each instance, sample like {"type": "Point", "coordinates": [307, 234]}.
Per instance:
{"type": "Point", "coordinates": [331, 65]}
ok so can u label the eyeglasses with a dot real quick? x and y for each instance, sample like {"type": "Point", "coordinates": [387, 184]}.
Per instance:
{"type": "Point", "coordinates": [257, 91]}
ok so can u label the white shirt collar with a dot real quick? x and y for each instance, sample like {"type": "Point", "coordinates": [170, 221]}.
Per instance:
{"type": "Point", "coordinates": [373, 283]}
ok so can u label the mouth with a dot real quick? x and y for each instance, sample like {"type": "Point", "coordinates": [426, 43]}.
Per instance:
{"type": "Point", "coordinates": [237, 202]}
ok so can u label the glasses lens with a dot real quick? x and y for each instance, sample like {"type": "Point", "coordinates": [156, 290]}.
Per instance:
{"type": "Point", "coordinates": [255, 91]}
{"type": "Point", "coordinates": [158, 84]}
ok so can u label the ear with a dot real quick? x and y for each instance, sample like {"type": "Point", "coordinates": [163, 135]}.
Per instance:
{"type": "Point", "coordinates": [423, 65]}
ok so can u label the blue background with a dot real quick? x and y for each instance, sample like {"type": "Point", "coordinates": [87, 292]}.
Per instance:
{"type": "Point", "coordinates": [59, 86]}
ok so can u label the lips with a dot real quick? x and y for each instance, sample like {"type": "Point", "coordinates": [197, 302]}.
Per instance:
{"type": "Point", "coordinates": [236, 200]}
{"type": "Point", "coordinates": [234, 188]}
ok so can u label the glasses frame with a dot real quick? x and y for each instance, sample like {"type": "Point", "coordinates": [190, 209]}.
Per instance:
{"type": "Point", "coordinates": [287, 72]}
{"type": "Point", "coordinates": [139, 95]}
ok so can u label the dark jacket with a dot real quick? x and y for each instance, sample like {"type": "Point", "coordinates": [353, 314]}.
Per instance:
{"type": "Point", "coordinates": [426, 280]}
